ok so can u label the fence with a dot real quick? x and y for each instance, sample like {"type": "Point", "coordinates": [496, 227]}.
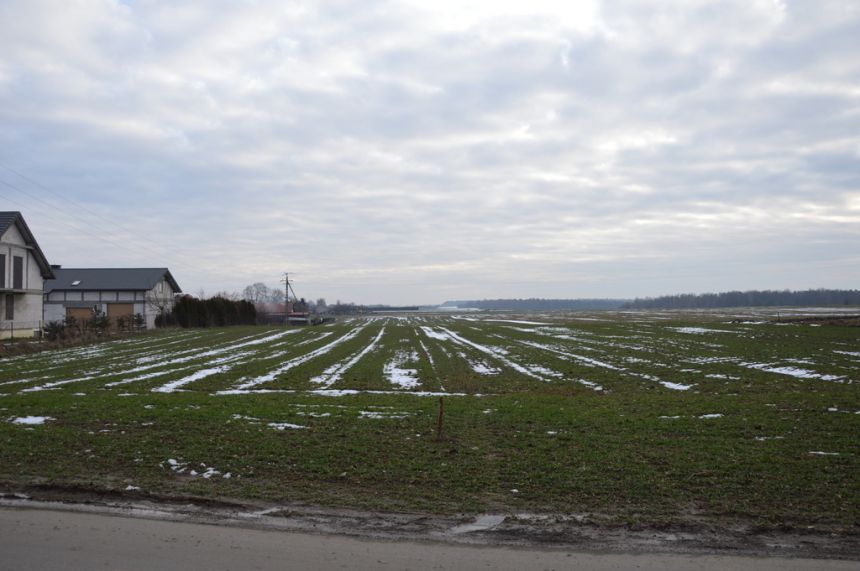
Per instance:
{"type": "Point", "coordinates": [20, 329]}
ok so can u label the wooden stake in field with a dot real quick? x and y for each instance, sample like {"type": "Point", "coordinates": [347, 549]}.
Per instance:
{"type": "Point", "coordinates": [439, 418]}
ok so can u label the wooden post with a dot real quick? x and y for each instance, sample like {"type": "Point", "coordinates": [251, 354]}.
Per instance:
{"type": "Point", "coordinates": [439, 418]}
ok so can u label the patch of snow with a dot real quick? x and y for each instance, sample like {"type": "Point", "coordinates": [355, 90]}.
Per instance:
{"type": "Point", "coordinates": [518, 321]}
{"type": "Point", "coordinates": [676, 386]}
{"type": "Point", "coordinates": [202, 374]}
{"type": "Point", "coordinates": [819, 453]}
{"type": "Point", "coordinates": [284, 425]}
{"type": "Point", "coordinates": [333, 373]}
{"type": "Point", "coordinates": [30, 420]}
{"type": "Point", "coordinates": [791, 371]}
{"type": "Point", "coordinates": [493, 351]}
{"type": "Point", "coordinates": [713, 415]}
{"type": "Point", "coordinates": [378, 414]}
{"type": "Point", "coordinates": [272, 375]}
{"type": "Point", "coordinates": [398, 375]}
{"type": "Point", "coordinates": [700, 330]}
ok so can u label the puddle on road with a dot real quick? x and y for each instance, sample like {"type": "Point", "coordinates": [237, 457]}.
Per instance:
{"type": "Point", "coordinates": [481, 523]}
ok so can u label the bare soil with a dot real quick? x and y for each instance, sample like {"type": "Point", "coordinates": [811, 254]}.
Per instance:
{"type": "Point", "coordinates": [695, 535]}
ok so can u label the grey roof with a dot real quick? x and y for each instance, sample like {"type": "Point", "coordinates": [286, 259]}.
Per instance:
{"type": "Point", "coordinates": [114, 279]}
{"type": "Point", "coordinates": [7, 219]}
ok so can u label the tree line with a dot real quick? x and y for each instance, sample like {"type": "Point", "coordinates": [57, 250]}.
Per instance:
{"type": "Point", "coordinates": [216, 311]}
{"type": "Point", "coordinates": [538, 304]}
{"type": "Point", "coordinates": [752, 298]}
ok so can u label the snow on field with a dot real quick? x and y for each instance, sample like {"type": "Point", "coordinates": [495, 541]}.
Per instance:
{"type": "Point", "coordinates": [201, 374]}
{"type": "Point", "coordinates": [849, 353]}
{"type": "Point", "coordinates": [397, 375]}
{"type": "Point", "coordinates": [381, 415]}
{"type": "Point", "coordinates": [518, 321]}
{"type": "Point", "coordinates": [30, 420]}
{"type": "Point", "coordinates": [333, 373]}
{"type": "Point", "coordinates": [284, 426]}
{"type": "Point", "coordinates": [185, 468]}
{"type": "Point", "coordinates": [700, 330]}
{"type": "Point", "coordinates": [55, 384]}
{"type": "Point", "coordinates": [292, 363]}
{"type": "Point", "coordinates": [792, 372]}
{"type": "Point", "coordinates": [480, 367]}
{"type": "Point", "coordinates": [495, 352]}
{"type": "Point", "coordinates": [589, 362]}
{"type": "Point", "coordinates": [427, 352]}
{"type": "Point", "coordinates": [342, 392]}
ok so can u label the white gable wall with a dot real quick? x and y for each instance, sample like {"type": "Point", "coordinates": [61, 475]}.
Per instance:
{"type": "Point", "coordinates": [160, 297]}
{"type": "Point", "coordinates": [27, 305]}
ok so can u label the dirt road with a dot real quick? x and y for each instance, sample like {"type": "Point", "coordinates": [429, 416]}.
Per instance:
{"type": "Point", "coordinates": [47, 540]}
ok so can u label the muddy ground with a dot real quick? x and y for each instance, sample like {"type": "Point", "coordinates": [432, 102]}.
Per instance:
{"type": "Point", "coordinates": [581, 532]}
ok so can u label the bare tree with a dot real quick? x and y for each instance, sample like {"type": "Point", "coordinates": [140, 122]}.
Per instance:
{"type": "Point", "coordinates": [159, 299]}
{"type": "Point", "coordinates": [257, 293]}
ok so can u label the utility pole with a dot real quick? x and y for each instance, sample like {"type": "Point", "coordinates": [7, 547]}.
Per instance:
{"type": "Point", "coordinates": [287, 289]}
{"type": "Point", "coordinates": [286, 299]}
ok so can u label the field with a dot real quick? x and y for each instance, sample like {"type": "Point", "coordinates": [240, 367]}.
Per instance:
{"type": "Point", "coordinates": [639, 417]}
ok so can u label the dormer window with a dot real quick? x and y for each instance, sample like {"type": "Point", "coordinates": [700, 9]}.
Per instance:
{"type": "Point", "coordinates": [76, 283]}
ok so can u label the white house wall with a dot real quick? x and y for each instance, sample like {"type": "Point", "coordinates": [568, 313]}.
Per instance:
{"type": "Point", "coordinates": [160, 294]}
{"type": "Point", "coordinates": [57, 301]}
{"type": "Point", "coordinates": [27, 305]}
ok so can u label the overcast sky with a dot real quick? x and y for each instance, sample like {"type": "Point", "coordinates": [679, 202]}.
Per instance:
{"type": "Point", "coordinates": [416, 152]}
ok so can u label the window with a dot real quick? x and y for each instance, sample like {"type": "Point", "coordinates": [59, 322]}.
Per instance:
{"type": "Point", "coordinates": [2, 270]}
{"type": "Point", "coordinates": [10, 307]}
{"type": "Point", "coordinates": [17, 272]}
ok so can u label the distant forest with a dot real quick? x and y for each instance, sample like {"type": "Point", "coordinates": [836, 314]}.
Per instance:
{"type": "Point", "coordinates": [534, 304]}
{"type": "Point", "coordinates": [811, 297]}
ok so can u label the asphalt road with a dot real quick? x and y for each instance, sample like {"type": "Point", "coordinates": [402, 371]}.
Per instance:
{"type": "Point", "coordinates": [47, 540]}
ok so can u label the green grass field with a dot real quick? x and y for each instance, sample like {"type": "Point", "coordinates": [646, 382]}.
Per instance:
{"type": "Point", "coordinates": [641, 417]}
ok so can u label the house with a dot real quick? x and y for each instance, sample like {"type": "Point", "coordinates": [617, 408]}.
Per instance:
{"type": "Point", "coordinates": [117, 292]}
{"type": "Point", "coordinates": [23, 269]}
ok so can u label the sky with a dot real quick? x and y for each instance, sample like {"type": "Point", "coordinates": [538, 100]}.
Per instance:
{"type": "Point", "coordinates": [416, 152]}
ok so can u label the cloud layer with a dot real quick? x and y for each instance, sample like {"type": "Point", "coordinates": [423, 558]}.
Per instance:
{"type": "Point", "coordinates": [403, 153]}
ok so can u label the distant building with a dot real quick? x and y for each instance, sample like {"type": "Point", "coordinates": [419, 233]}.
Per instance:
{"type": "Point", "coordinates": [118, 292]}
{"type": "Point", "coordinates": [23, 269]}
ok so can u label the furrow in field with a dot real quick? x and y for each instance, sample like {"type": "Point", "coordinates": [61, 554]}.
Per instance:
{"type": "Point", "coordinates": [495, 352]}
{"type": "Point", "coordinates": [333, 374]}
{"type": "Point", "coordinates": [589, 362]}
{"type": "Point", "coordinates": [340, 392]}
{"type": "Point", "coordinates": [431, 361]}
{"type": "Point", "coordinates": [105, 371]}
{"type": "Point", "coordinates": [790, 371]}
{"type": "Point", "coordinates": [222, 365]}
{"type": "Point", "coordinates": [292, 363]}
{"type": "Point", "coordinates": [194, 354]}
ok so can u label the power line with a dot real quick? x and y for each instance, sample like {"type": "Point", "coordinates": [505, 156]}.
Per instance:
{"type": "Point", "coordinates": [104, 237]}
{"type": "Point", "coordinates": [170, 251]}
{"type": "Point", "coordinates": [59, 195]}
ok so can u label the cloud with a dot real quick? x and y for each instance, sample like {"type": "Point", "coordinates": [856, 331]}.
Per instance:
{"type": "Point", "coordinates": [410, 152]}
